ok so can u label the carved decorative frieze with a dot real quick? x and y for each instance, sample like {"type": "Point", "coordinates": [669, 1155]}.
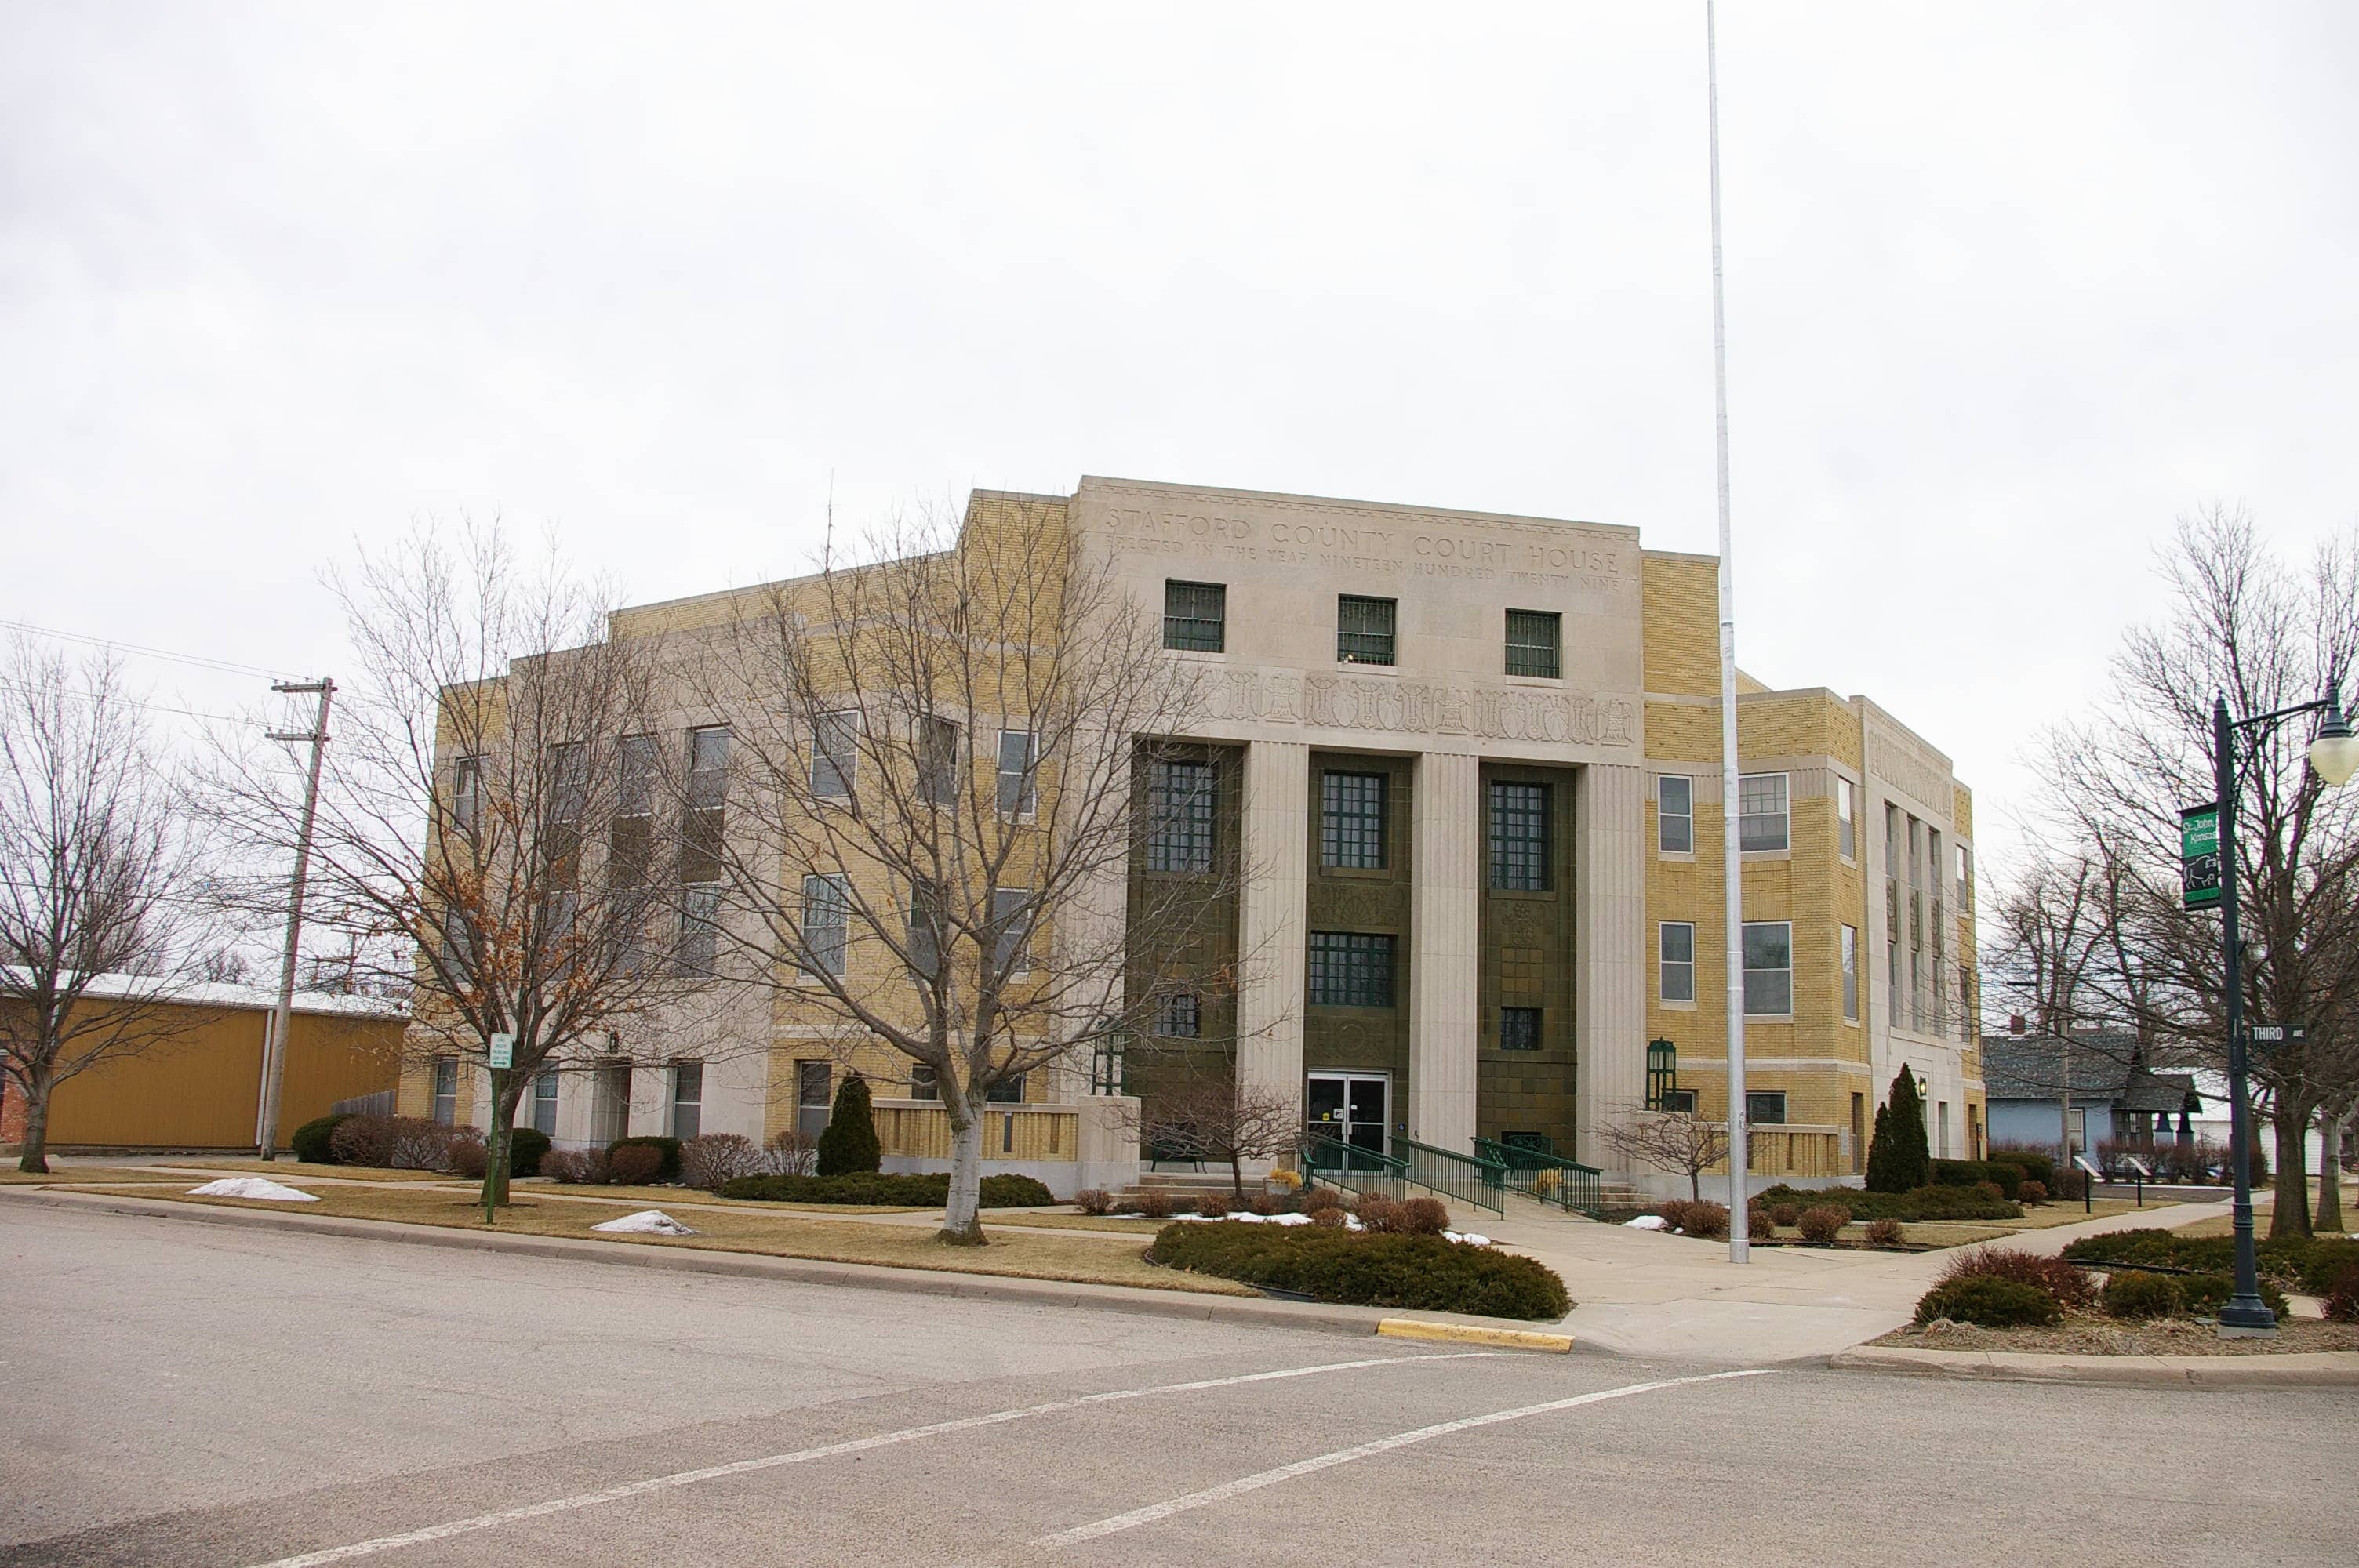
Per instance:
{"type": "Point", "coordinates": [1421, 708]}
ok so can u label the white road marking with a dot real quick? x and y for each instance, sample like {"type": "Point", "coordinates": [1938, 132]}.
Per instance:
{"type": "Point", "coordinates": [804, 1455]}
{"type": "Point", "coordinates": [1228, 1489]}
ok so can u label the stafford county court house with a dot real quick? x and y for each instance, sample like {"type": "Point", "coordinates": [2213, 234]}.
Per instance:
{"type": "Point", "coordinates": [1473, 761]}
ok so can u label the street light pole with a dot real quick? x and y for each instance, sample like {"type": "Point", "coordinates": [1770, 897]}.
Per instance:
{"type": "Point", "coordinates": [282, 1016]}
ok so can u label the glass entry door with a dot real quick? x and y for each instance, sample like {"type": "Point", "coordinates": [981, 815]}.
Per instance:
{"type": "Point", "coordinates": [1351, 1109]}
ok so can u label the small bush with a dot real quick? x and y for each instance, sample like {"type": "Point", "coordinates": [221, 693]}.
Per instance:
{"type": "Point", "coordinates": [1264, 1203]}
{"type": "Point", "coordinates": [1212, 1206]}
{"type": "Point", "coordinates": [666, 1167]}
{"type": "Point", "coordinates": [1094, 1200]}
{"type": "Point", "coordinates": [1380, 1214]}
{"type": "Point", "coordinates": [1703, 1218]}
{"type": "Point", "coordinates": [1822, 1225]}
{"type": "Point", "coordinates": [849, 1146]}
{"type": "Point", "coordinates": [885, 1191]}
{"type": "Point", "coordinates": [2036, 1164]}
{"type": "Point", "coordinates": [467, 1155]}
{"type": "Point", "coordinates": [632, 1164]}
{"type": "Point", "coordinates": [2139, 1295]}
{"type": "Point", "coordinates": [1988, 1301]}
{"type": "Point", "coordinates": [311, 1141]}
{"type": "Point", "coordinates": [2325, 1260]}
{"type": "Point", "coordinates": [362, 1141]}
{"type": "Point", "coordinates": [2071, 1285]}
{"type": "Point", "coordinates": [418, 1143]}
{"type": "Point", "coordinates": [527, 1147]}
{"type": "Point", "coordinates": [1912, 1207]}
{"type": "Point", "coordinates": [1417, 1273]}
{"type": "Point", "coordinates": [2070, 1186]}
{"type": "Point", "coordinates": [1758, 1225]}
{"type": "Point", "coordinates": [2202, 1295]}
{"type": "Point", "coordinates": [1319, 1198]}
{"type": "Point", "coordinates": [574, 1166]}
{"type": "Point", "coordinates": [1424, 1216]}
{"type": "Point", "coordinates": [2004, 1175]}
{"type": "Point", "coordinates": [1885, 1232]}
{"type": "Point", "coordinates": [1155, 1203]}
{"type": "Point", "coordinates": [712, 1158]}
{"type": "Point", "coordinates": [1330, 1219]}
{"type": "Point", "coordinates": [2031, 1191]}
{"type": "Point", "coordinates": [1785, 1214]}
{"type": "Point", "coordinates": [790, 1153]}
{"type": "Point", "coordinates": [2342, 1297]}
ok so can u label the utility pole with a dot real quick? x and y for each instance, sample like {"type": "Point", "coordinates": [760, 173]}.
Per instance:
{"type": "Point", "coordinates": [274, 1043]}
{"type": "Point", "coordinates": [1730, 807]}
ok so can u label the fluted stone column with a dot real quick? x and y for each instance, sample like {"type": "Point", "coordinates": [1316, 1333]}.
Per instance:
{"type": "Point", "coordinates": [1610, 874]}
{"type": "Point", "coordinates": [1445, 934]}
{"type": "Point", "coordinates": [1270, 936]}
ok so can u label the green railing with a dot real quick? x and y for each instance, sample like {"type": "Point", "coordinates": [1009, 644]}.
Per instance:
{"type": "Point", "coordinates": [1547, 1178]}
{"type": "Point", "coordinates": [1353, 1168]}
{"type": "Point", "coordinates": [1478, 1183]}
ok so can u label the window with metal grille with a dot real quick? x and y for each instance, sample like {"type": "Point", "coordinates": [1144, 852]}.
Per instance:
{"type": "Point", "coordinates": [827, 925]}
{"type": "Point", "coordinates": [1351, 968]}
{"type": "Point", "coordinates": [1352, 821]}
{"type": "Point", "coordinates": [1520, 1029]}
{"type": "Point", "coordinates": [1675, 953]}
{"type": "Point", "coordinates": [1179, 1015]}
{"type": "Point", "coordinates": [1675, 815]}
{"type": "Point", "coordinates": [1195, 615]}
{"type": "Point", "coordinates": [1520, 836]}
{"type": "Point", "coordinates": [1535, 643]}
{"type": "Point", "coordinates": [1764, 1108]}
{"type": "Point", "coordinates": [1019, 771]}
{"type": "Point", "coordinates": [687, 1099]}
{"type": "Point", "coordinates": [1761, 812]}
{"type": "Point", "coordinates": [1363, 630]}
{"type": "Point", "coordinates": [1180, 803]}
{"type": "Point", "coordinates": [1769, 968]}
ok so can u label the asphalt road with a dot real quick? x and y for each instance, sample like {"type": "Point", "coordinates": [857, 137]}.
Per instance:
{"type": "Point", "coordinates": [178, 1394]}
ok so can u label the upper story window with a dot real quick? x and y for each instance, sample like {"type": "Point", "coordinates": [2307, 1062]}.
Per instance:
{"type": "Point", "coordinates": [1363, 630]}
{"type": "Point", "coordinates": [1011, 924]}
{"type": "Point", "coordinates": [1352, 821]}
{"type": "Point", "coordinates": [1519, 836]}
{"type": "Point", "coordinates": [631, 836]}
{"type": "Point", "coordinates": [1675, 815]}
{"type": "Point", "coordinates": [1769, 968]}
{"type": "Point", "coordinates": [708, 791]}
{"type": "Point", "coordinates": [938, 761]}
{"type": "Point", "coordinates": [827, 925]}
{"type": "Point", "coordinates": [1195, 615]}
{"type": "Point", "coordinates": [1851, 974]}
{"type": "Point", "coordinates": [1019, 772]}
{"type": "Point", "coordinates": [466, 792]}
{"type": "Point", "coordinates": [569, 797]}
{"type": "Point", "coordinates": [1180, 817]}
{"type": "Point", "coordinates": [1179, 1015]}
{"type": "Point", "coordinates": [1761, 812]}
{"type": "Point", "coordinates": [1535, 643]}
{"type": "Point", "coordinates": [1351, 968]}
{"type": "Point", "coordinates": [835, 754]}
{"type": "Point", "coordinates": [1966, 878]}
{"type": "Point", "coordinates": [1675, 960]}
{"type": "Point", "coordinates": [1520, 1028]}
{"type": "Point", "coordinates": [1847, 819]}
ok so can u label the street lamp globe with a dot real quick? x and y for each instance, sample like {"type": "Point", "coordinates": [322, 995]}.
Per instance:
{"type": "Point", "coordinates": [2334, 755]}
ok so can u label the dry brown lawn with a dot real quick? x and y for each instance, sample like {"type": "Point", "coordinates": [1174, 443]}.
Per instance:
{"type": "Point", "coordinates": [1016, 1251]}
{"type": "Point", "coordinates": [1053, 1219]}
{"type": "Point", "coordinates": [294, 1170]}
{"type": "Point", "coordinates": [69, 1175]}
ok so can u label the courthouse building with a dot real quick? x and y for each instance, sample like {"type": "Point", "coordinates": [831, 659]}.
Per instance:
{"type": "Point", "coordinates": [1470, 764]}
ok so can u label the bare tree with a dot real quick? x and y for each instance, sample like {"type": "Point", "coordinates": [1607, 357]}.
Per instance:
{"type": "Point", "coordinates": [497, 825]}
{"type": "Point", "coordinates": [944, 789]}
{"type": "Point", "coordinates": [1214, 1115]}
{"type": "Point", "coordinates": [1674, 1141]}
{"type": "Point", "coordinates": [99, 920]}
{"type": "Point", "coordinates": [2268, 637]}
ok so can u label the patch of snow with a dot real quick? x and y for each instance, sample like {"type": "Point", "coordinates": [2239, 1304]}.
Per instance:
{"type": "Point", "coordinates": [251, 1187]}
{"type": "Point", "coordinates": [647, 1222]}
{"type": "Point", "coordinates": [1466, 1237]}
{"type": "Point", "coordinates": [1646, 1222]}
{"type": "Point", "coordinates": [1243, 1217]}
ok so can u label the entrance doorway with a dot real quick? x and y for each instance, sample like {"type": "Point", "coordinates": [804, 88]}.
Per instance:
{"type": "Point", "coordinates": [1350, 1108]}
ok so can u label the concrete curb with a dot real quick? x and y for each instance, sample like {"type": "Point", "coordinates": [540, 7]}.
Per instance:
{"type": "Point", "coordinates": [1361, 1321]}
{"type": "Point", "coordinates": [2299, 1369]}
{"type": "Point", "coordinates": [1474, 1334]}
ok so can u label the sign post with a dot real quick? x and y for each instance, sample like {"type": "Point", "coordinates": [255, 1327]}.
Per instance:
{"type": "Point", "coordinates": [2199, 857]}
{"type": "Point", "coordinates": [500, 1055]}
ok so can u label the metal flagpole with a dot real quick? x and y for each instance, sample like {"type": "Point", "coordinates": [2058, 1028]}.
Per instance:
{"type": "Point", "coordinates": [1730, 808]}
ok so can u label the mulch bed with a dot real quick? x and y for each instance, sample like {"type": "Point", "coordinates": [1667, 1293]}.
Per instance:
{"type": "Point", "coordinates": [2091, 1334]}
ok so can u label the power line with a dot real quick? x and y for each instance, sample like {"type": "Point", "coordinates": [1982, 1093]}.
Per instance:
{"type": "Point", "coordinates": [204, 661]}
{"type": "Point", "coordinates": [135, 702]}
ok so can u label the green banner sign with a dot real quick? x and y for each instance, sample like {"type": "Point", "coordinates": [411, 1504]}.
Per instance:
{"type": "Point", "coordinates": [2199, 856]}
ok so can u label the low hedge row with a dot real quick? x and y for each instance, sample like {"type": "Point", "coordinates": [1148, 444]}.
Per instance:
{"type": "Point", "coordinates": [1921, 1203]}
{"type": "Point", "coordinates": [2005, 1174]}
{"type": "Point", "coordinates": [1423, 1273]}
{"type": "Point", "coordinates": [2311, 1264]}
{"type": "Point", "coordinates": [876, 1187]}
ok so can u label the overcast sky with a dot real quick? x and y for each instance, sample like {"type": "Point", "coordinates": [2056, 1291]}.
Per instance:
{"type": "Point", "coordinates": [2009, 286]}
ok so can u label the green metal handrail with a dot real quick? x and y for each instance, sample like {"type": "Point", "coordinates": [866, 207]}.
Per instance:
{"type": "Point", "coordinates": [1351, 1167]}
{"type": "Point", "coordinates": [1547, 1178]}
{"type": "Point", "coordinates": [1479, 1183]}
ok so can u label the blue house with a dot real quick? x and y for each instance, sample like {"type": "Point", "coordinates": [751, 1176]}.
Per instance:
{"type": "Point", "coordinates": [2116, 1098]}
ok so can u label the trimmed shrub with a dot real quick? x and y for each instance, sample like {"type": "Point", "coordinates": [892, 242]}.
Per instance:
{"type": "Point", "coordinates": [711, 1159]}
{"type": "Point", "coordinates": [1923, 1203]}
{"type": "Point", "coordinates": [311, 1143]}
{"type": "Point", "coordinates": [1381, 1214]}
{"type": "Point", "coordinates": [1785, 1214]}
{"type": "Point", "coordinates": [2342, 1297]}
{"type": "Point", "coordinates": [889, 1191]}
{"type": "Point", "coordinates": [2071, 1285]}
{"type": "Point", "coordinates": [1822, 1225]}
{"type": "Point", "coordinates": [1704, 1218]}
{"type": "Point", "coordinates": [1424, 1216]}
{"type": "Point", "coordinates": [1155, 1203]}
{"type": "Point", "coordinates": [527, 1147]}
{"type": "Point", "coordinates": [1988, 1301]}
{"type": "Point", "coordinates": [1319, 1198]}
{"type": "Point", "coordinates": [2323, 1262]}
{"type": "Point", "coordinates": [1885, 1232]}
{"type": "Point", "coordinates": [2036, 1164]}
{"type": "Point", "coordinates": [2005, 1177]}
{"type": "Point", "coordinates": [630, 1164]}
{"type": "Point", "coordinates": [1330, 1219]}
{"type": "Point", "coordinates": [1214, 1206]}
{"type": "Point", "coordinates": [1418, 1272]}
{"type": "Point", "coordinates": [2031, 1191]}
{"type": "Point", "coordinates": [1758, 1225]}
{"type": "Point", "coordinates": [849, 1146]}
{"type": "Point", "coordinates": [2202, 1295]}
{"type": "Point", "coordinates": [666, 1167]}
{"type": "Point", "coordinates": [1264, 1203]}
{"type": "Point", "coordinates": [789, 1152]}
{"type": "Point", "coordinates": [469, 1156]}
{"type": "Point", "coordinates": [1092, 1200]}
{"type": "Point", "coordinates": [2136, 1294]}
{"type": "Point", "coordinates": [418, 1143]}
{"type": "Point", "coordinates": [362, 1141]}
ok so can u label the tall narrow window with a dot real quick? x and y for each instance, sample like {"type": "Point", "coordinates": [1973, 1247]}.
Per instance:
{"type": "Point", "coordinates": [1769, 968]}
{"type": "Point", "coordinates": [1535, 643]}
{"type": "Point", "coordinates": [814, 1093]}
{"type": "Point", "coordinates": [544, 1102]}
{"type": "Point", "coordinates": [1847, 819]}
{"type": "Point", "coordinates": [446, 1091]}
{"type": "Point", "coordinates": [466, 793]}
{"type": "Point", "coordinates": [1019, 770]}
{"type": "Point", "coordinates": [1891, 986]}
{"type": "Point", "coordinates": [1675, 953]}
{"type": "Point", "coordinates": [1851, 974]}
{"type": "Point", "coordinates": [925, 940]}
{"type": "Point", "coordinates": [1195, 615]}
{"type": "Point", "coordinates": [687, 1099]}
{"type": "Point", "coordinates": [938, 761]}
{"type": "Point", "coordinates": [631, 837]}
{"type": "Point", "coordinates": [924, 1082]}
{"type": "Point", "coordinates": [1675, 815]}
{"type": "Point", "coordinates": [1352, 821]}
{"type": "Point", "coordinates": [1965, 879]}
{"type": "Point", "coordinates": [1011, 925]}
{"type": "Point", "coordinates": [699, 929]}
{"type": "Point", "coordinates": [708, 798]}
{"type": "Point", "coordinates": [827, 925]}
{"type": "Point", "coordinates": [1519, 1028]}
{"type": "Point", "coordinates": [569, 797]}
{"type": "Point", "coordinates": [1761, 812]}
{"type": "Point", "coordinates": [1519, 836]}
{"type": "Point", "coordinates": [1363, 630]}
{"type": "Point", "coordinates": [1351, 968]}
{"type": "Point", "coordinates": [1179, 816]}
{"type": "Point", "coordinates": [835, 754]}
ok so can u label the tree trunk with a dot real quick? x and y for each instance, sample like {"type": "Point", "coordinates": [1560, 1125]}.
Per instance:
{"type": "Point", "coordinates": [961, 1219]}
{"type": "Point", "coordinates": [2290, 1216]}
{"type": "Point", "coordinates": [499, 1138]}
{"type": "Point", "coordinates": [1695, 1184]}
{"type": "Point", "coordinates": [2329, 1218]}
{"type": "Point", "coordinates": [1237, 1173]}
{"type": "Point", "coordinates": [34, 1156]}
